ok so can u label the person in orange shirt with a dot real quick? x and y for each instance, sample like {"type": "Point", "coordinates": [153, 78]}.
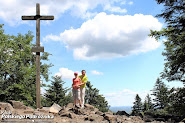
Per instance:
{"type": "Point", "coordinates": [76, 89]}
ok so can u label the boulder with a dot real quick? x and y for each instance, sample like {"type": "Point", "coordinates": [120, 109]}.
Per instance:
{"type": "Point", "coordinates": [6, 106]}
{"type": "Point", "coordinates": [36, 112]}
{"type": "Point", "coordinates": [85, 111]}
{"type": "Point", "coordinates": [95, 118]}
{"type": "Point", "coordinates": [96, 109]}
{"type": "Point", "coordinates": [89, 107]}
{"type": "Point", "coordinates": [78, 111]}
{"type": "Point", "coordinates": [70, 105]}
{"type": "Point", "coordinates": [43, 110]}
{"type": "Point", "coordinates": [17, 104]}
{"type": "Point", "coordinates": [65, 114]}
{"type": "Point", "coordinates": [110, 117]}
{"type": "Point", "coordinates": [99, 113]}
{"type": "Point", "coordinates": [28, 111]}
{"type": "Point", "coordinates": [122, 113]}
{"type": "Point", "coordinates": [72, 115]}
{"type": "Point", "coordinates": [46, 108]}
{"type": "Point", "coordinates": [55, 108]}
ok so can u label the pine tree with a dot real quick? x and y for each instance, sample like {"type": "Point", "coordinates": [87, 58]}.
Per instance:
{"type": "Point", "coordinates": [147, 105]}
{"type": "Point", "coordinates": [177, 101]}
{"type": "Point", "coordinates": [93, 97]}
{"type": "Point", "coordinates": [56, 93]}
{"type": "Point", "coordinates": [173, 14]}
{"type": "Point", "coordinates": [160, 91]}
{"type": "Point", "coordinates": [137, 107]}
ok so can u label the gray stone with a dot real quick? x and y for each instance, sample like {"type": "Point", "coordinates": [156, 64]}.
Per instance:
{"type": "Point", "coordinates": [6, 106]}
{"type": "Point", "coordinates": [99, 113]}
{"type": "Point", "coordinates": [16, 104]}
{"type": "Point", "coordinates": [110, 117]}
{"type": "Point", "coordinates": [70, 105]}
{"type": "Point", "coordinates": [89, 107]}
{"type": "Point", "coordinates": [55, 108]}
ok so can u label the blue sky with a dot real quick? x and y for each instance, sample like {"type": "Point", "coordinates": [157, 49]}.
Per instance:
{"type": "Point", "coordinates": [107, 38]}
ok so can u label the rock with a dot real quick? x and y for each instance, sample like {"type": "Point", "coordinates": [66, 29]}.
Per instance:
{"type": "Point", "coordinates": [70, 105]}
{"type": "Point", "coordinates": [43, 110]}
{"type": "Point", "coordinates": [89, 106]}
{"type": "Point", "coordinates": [110, 117]}
{"type": "Point", "coordinates": [72, 115]}
{"type": "Point", "coordinates": [99, 113]}
{"type": "Point", "coordinates": [55, 108]}
{"type": "Point", "coordinates": [122, 113]}
{"type": "Point", "coordinates": [160, 119]}
{"type": "Point", "coordinates": [36, 112]}
{"type": "Point", "coordinates": [46, 108]}
{"type": "Point", "coordinates": [92, 112]}
{"type": "Point", "coordinates": [110, 113]}
{"type": "Point", "coordinates": [29, 111]}
{"type": "Point", "coordinates": [16, 104]}
{"type": "Point", "coordinates": [95, 118]}
{"type": "Point", "coordinates": [84, 111]}
{"type": "Point", "coordinates": [78, 111]}
{"type": "Point", "coordinates": [64, 114]}
{"type": "Point", "coordinates": [95, 109]}
{"type": "Point", "coordinates": [6, 106]}
{"type": "Point", "coordinates": [148, 118]}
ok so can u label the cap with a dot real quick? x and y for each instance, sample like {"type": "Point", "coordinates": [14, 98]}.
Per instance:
{"type": "Point", "coordinates": [76, 73]}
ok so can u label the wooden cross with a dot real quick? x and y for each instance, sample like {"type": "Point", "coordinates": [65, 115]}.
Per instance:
{"type": "Point", "coordinates": [38, 49]}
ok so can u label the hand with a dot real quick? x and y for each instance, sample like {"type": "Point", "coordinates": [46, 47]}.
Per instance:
{"type": "Point", "coordinates": [77, 86]}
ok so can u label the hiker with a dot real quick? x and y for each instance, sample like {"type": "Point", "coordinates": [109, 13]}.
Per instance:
{"type": "Point", "coordinates": [76, 89]}
{"type": "Point", "coordinates": [83, 78]}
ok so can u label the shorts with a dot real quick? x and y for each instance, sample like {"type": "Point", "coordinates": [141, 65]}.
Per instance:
{"type": "Point", "coordinates": [76, 94]}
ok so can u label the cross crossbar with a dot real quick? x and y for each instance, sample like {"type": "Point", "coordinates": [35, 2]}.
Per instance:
{"type": "Point", "coordinates": [37, 17]}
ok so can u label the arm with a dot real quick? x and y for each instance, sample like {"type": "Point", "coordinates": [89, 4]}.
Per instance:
{"type": "Point", "coordinates": [85, 81]}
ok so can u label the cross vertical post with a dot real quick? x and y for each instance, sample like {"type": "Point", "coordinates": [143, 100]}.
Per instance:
{"type": "Point", "coordinates": [38, 49]}
{"type": "Point", "coordinates": [38, 102]}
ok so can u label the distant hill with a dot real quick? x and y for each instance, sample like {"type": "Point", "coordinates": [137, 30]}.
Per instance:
{"type": "Point", "coordinates": [128, 109]}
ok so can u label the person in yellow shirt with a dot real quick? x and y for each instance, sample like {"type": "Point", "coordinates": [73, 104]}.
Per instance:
{"type": "Point", "coordinates": [82, 86]}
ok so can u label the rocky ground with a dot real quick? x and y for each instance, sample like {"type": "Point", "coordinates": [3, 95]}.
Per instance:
{"type": "Point", "coordinates": [16, 112]}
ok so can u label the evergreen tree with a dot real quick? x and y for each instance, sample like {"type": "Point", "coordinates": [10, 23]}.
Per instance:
{"type": "Point", "coordinates": [56, 93]}
{"type": "Point", "coordinates": [174, 32]}
{"type": "Point", "coordinates": [177, 101]}
{"type": "Point", "coordinates": [93, 97]}
{"type": "Point", "coordinates": [18, 69]}
{"type": "Point", "coordinates": [147, 105]}
{"type": "Point", "coordinates": [137, 107]}
{"type": "Point", "coordinates": [173, 14]}
{"type": "Point", "coordinates": [160, 91]}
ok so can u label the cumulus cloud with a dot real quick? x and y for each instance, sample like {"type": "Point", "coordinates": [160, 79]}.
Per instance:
{"type": "Point", "coordinates": [115, 9]}
{"type": "Point", "coordinates": [108, 36]}
{"type": "Point", "coordinates": [65, 73]}
{"type": "Point", "coordinates": [12, 10]}
{"type": "Point", "coordinates": [125, 97]}
{"type": "Point", "coordinates": [131, 2]}
{"type": "Point", "coordinates": [96, 72]}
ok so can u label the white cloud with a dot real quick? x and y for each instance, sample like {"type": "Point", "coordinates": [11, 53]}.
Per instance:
{"type": "Point", "coordinates": [65, 73]}
{"type": "Point", "coordinates": [52, 37]}
{"type": "Point", "coordinates": [114, 9]}
{"type": "Point", "coordinates": [131, 2]}
{"type": "Point", "coordinates": [96, 72]}
{"type": "Point", "coordinates": [12, 10]}
{"type": "Point", "coordinates": [108, 36]}
{"type": "Point", "coordinates": [125, 97]}
{"type": "Point", "coordinates": [123, 2]}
